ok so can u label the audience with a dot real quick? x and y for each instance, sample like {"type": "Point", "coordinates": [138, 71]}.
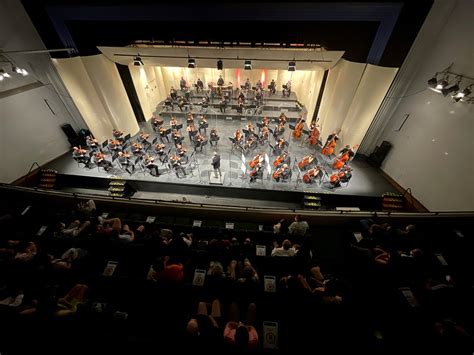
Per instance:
{"type": "Point", "coordinates": [298, 227]}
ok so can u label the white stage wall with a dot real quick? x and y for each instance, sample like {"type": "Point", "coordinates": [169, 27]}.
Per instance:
{"type": "Point", "coordinates": [352, 96]}
{"type": "Point", "coordinates": [95, 85]}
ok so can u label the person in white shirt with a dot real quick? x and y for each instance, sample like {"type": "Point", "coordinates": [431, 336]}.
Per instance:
{"type": "Point", "coordinates": [285, 250]}
{"type": "Point", "coordinates": [298, 227]}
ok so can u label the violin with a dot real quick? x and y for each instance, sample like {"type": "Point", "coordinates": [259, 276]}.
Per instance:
{"type": "Point", "coordinates": [314, 136]}
{"type": "Point", "coordinates": [200, 138]}
{"type": "Point", "coordinates": [148, 159]}
{"type": "Point", "coordinates": [311, 174]}
{"type": "Point", "coordinates": [115, 142]}
{"type": "Point", "coordinates": [117, 133]}
{"type": "Point", "coordinates": [144, 136]}
{"type": "Point", "coordinates": [238, 135]}
{"type": "Point", "coordinates": [137, 146]}
{"type": "Point", "coordinates": [99, 156]}
{"type": "Point", "coordinates": [298, 129]}
{"type": "Point", "coordinates": [124, 154]}
{"type": "Point", "coordinates": [306, 161]}
{"type": "Point", "coordinates": [250, 127]}
{"type": "Point", "coordinates": [258, 159]}
{"type": "Point", "coordinates": [159, 147]}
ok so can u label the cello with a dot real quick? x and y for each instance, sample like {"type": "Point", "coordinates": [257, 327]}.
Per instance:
{"type": "Point", "coordinates": [345, 155]}
{"type": "Point", "coordinates": [307, 160]}
{"type": "Point", "coordinates": [257, 160]}
{"type": "Point", "coordinates": [343, 175]}
{"type": "Point", "coordinates": [330, 145]}
{"type": "Point", "coordinates": [298, 128]}
{"type": "Point", "coordinates": [314, 135]}
{"type": "Point", "coordinates": [311, 174]}
{"type": "Point", "coordinates": [280, 172]}
{"type": "Point", "coordinates": [281, 159]}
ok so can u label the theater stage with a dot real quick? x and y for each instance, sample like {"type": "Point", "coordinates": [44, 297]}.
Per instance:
{"type": "Point", "coordinates": [236, 188]}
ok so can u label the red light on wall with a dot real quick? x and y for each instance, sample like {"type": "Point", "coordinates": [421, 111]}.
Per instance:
{"type": "Point", "coordinates": [237, 75]}
{"type": "Point", "coordinates": [263, 77]}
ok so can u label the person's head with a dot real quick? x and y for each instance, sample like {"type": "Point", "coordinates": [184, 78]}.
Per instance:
{"type": "Point", "coordinates": [416, 253]}
{"type": "Point", "coordinates": [242, 337]}
{"type": "Point", "coordinates": [215, 153]}
{"type": "Point", "coordinates": [409, 229]}
{"type": "Point", "coordinates": [192, 328]}
{"type": "Point", "coordinates": [297, 218]}
{"type": "Point", "coordinates": [217, 270]}
{"type": "Point", "coordinates": [286, 244]}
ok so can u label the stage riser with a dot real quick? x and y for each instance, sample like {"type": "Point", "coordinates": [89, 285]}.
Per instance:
{"type": "Point", "coordinates": [215, 106]}
{"type": "Point", "coordinates": [328, 201]}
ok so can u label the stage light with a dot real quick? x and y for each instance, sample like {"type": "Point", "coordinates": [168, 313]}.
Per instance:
{"type": "Point", "coordinates": [247, 65]}
{"type": "Point", "coordinates": [441, 84]}
{"type": "Point", "coordinates": [191, 63]}
{"type": "Point", "coordinates": [19, 71]}
{"type": "Point", "coordinates": [433, 81]}
{"type": "Point", "coordinates": [1, 77]}
{"type": "Point", "coordinates": [3, 74]}
{"type": "Point", "coordinates": [137, 61]}
{"type": "Point", "coordinates": [220, 64]}
{"type": "Point", "coordinates": [453, 88]}
{"type": "Point", "coordinates": [291, 66]}
{"type": "Point", "coordinates": [460, 95]}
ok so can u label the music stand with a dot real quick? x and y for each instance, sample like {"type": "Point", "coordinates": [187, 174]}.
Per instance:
{"type": "Point", "coordinates": [178, 127]}
{"type": "Point", "coordinates": [127, 137]}
{"type": "Point", "coordinates": [291, 126]}
{"type": "Point", "coordinates": [104, 144]}
{"type": "Point", "coordinates": [305, 131]}
{"type": "Point", "coordinates": [154, 140]}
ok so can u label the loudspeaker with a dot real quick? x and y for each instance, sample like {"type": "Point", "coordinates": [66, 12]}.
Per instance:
{"type": "Point", "coordinates": [379, 154]}
{"type": "Point", "coordinates": [72, 136]}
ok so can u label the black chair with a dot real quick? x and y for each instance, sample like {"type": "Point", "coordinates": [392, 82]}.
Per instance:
{"type": "Point", "coordinates": [178, 127]}
{"type": "Point", "coordinates": [291, 127]}
{"type": "Point", "coordinates": [154, 140]}
{"type": "Point", "coordinates": [127, 137]}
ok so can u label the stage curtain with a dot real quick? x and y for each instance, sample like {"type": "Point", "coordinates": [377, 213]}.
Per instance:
{"type": "Point", "coordinates": [352, 96]}
{"type": "Point", "coordinates": [97, 90]}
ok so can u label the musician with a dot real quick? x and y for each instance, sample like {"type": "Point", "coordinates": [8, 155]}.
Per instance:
{"type": "Point", "coordinates": [150, 165]}
{"type": "Point", "coordinates": [81, 156]}
{"type": "Point", "coordinates": [203, 124]}
{"type": "Point", "coordinates": [160, 148]}
{"type": "Point", "coordinates": [279, 146]}
{"type": "Point", "coordinates": [189, 119]}
{"type": "Point", "coordinates": [137, 149]}
{"type": "Point", "coordinates": [156, 123]}
{"type": "Point", "coordinates": [240, 106]}
{"type": "Point", "coordinates": [258, 159]}
{"type": "Point", "coordinates": [173, 94]}
{"type": "Point", "coordinates": [279, 129]}
{"type": "Point", "coordinates": [92, 143]}
{"type": "Point", "coordinates": [176, 165]}
{"type": "Point", "coordinates": [143, 138]}
{"type": "Point", "coordinates": [238, 135]}
{"type": "Point", "coordinates": [169, 103]}
{"type": "Point", "coordinates": [312, 174]}
{"type": "Point", "coordinates": [299, 128]}
{"type": "Point", "coordinates": [220, 81]}
{"type": "Point", "coordinates": [199, 85]}
{"type": "Point", "coordinates": [102, 162]}
{"type": "Point", "coordinates": [330, 144]}
{"type": "Point", "coordinates": [307, 161]}
{"type": "Point", "coordinates": [182, 84]}
{"type": "Point", "coordinates": [258, 85]}
{"type": "Point", "coordinates": [263, 137]}
{"type": "Point", "coordinates": [282, 173]}
{"type": "Point", "coordinates": [199, 141]}
{"type": "Point", "coordinates": [287, 89]}
{"type": "Point", "coordinates": [247, 85]}
{"type": "Point", "coordinates": [258, 97]}
{"type": "Point", "coordinates": [283, 158]}
{"type": "Point", "coordinates": [187, 94]}
{"type": "Point", "coordinates": [117, 134]}
{"type": "Point", "coordinates": [181, 103]}
{"type": "Point", "coordinates": [250, 144]}
{"type": "Point", "coordinates": [176, 136]}
{"type": "Point", "coordinates": [345, 154]}
{"type": "Point", "coordinates": [241, 96]}
{"type": "Point", "coordinates": [191, 131]}
{"type": "Point", "coordinates": [250, 129]}
{"type": "Point", "coordinates": [173, 122]}
{"type": "Point", "coordinates": [314, 135]}
{"type": "Point", "coordinates": [272, 87]}
{"type": "Point", "coordinates": [205, 102]}
{"type": "Point", "coordinates": [213, 137]}
{"type": "Point", "coordinates": [343, 175]}
{"type": "Point", "coordinates": [223, 105]}
{"type": "Point", "coordinates": [124, 160]}
{"type": "Point", "coordinates": [216, 164]}
{"type": "Point", "coordinates": [282, 118]}
{"type": "Point", "coordinates": [114, 144]}
{"type": "Point", "coordinates": [256, 172]}
{"type": "Point", "coordinates": [163, 135]}
{"type": "Point", "coordinates": [265, 121]}
{"type": "Point", "coordinates": [181, 151]}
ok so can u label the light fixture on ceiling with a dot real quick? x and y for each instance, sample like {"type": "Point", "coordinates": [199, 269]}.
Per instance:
{"type": "Point", "coordinates": [247, 65]}
{"type": "Point", "coordinates": [137, 61]}
{"type": "Point", "coordinates": [220, 64]}
{"type": "Point", "coordinates": [19, 71]}
{"type": "Point", "coordinates": [4, 74]}
{"type": "Point", "coordinates": [447, 83]}
{"type": "Point", "coordinates": [292, 66]}
{"type": "Point", "coordinates": [191, 63]}
{"type": "Point", "coordinates": [461, 95]}
{"type": "Point", "coordinates": [450, 89]}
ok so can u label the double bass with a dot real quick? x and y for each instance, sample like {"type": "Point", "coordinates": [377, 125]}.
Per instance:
{"type": "Point", "coordinates": [311, 174]}
{"type": "Point", "coordinates": [306, 161]}
{"type": "Point", "coordinates": [330, 145]}
{"type": "Point", "coordinates": [314, 135]}
{"type": "Point", "coordinates": [298, 128]}
{"type": "Point", "coordinates": [257, 160]}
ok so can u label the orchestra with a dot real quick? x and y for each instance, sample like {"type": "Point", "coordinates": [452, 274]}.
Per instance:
{"type": "Point", "coordinates": [245, 138]}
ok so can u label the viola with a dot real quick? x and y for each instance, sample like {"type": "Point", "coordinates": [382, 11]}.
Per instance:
{"type": "Point", "coordinates": [159, 147]}
{"type": "Point", "coordinates": [137, 146]}
{"type": "Point", "coordinates": [144, 136]}
{"type": "Point", "coordinates": [314, 136]}
{"type": "Point", "coordinates": [306, 161]}
{"type": "Point", "coordinates": [298, 129]}
{"type": "Point", "coordinates": [310, 175]}
{"type": "Point", "coordinates": [256, 161]}
{"type": "Point", "coordinates": [124, 154]}
{"type": "Point", "coordinates": [115, 142]}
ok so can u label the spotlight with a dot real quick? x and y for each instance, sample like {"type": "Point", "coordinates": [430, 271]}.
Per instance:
{"type": "Point", "coordinates": [137, 61]}
{"type": "Point", "coordinates": [24, 72]}
{"type": "Point", "coordinates": [452, 88]}
{"type": "Point", "coordinates": [291, 66]}
{"type": "Point", "coordinates": [441, 84]}
{"type": "Point", "coordinates": [4, 74]}
{"type": "Point", "coordinates": [19, 71]}
{"type": "Point", "coordinates": [433, 81]}
{"type": "Point", "coordinates": [247, 65]}
{"type": "Point", "coordinates": [191, 63]}
{"type": "Point", "coordinates": [460, 95]}
{"type": "Point", "coordinates": [220, 64]}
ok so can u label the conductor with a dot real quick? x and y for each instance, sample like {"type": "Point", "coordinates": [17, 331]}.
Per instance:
{"type": "Point", "coordinates": [216, 164]}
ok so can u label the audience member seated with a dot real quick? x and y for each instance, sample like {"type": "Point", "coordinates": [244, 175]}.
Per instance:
{"type": "Point", "coordinates": [285, 250]}
{"type": "Point", "coordinates": [298, 227]}
{"type": "Point", "coordinates": [241, 336]}
{"type": "Point", "coordinates": [167, 270]}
